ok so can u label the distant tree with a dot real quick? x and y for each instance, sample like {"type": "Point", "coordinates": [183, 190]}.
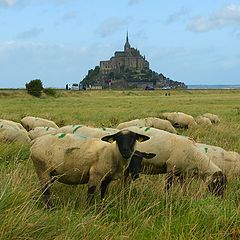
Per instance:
{"type": "Point", "coordinates": [34, 87]}
{"type": "Point", "coordinates": [50, 92]}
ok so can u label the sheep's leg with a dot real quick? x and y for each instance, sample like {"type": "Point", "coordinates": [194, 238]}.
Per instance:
{"type": "Point", "coordinates": [168, 181]}
{"type": "Point", "coordinates": [90, 194]}
{"type": "Point", "coordinates": [45, 179]}
{"type": "Point", "coordinates": [46, 196]}
{"type": "Point", "coordinates": [104, 186]}
{"type": "Point", "coordinates": [125, 179]}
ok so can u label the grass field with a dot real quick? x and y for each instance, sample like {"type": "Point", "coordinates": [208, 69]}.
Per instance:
{"type": "Point", "coordinates": [143, 210]}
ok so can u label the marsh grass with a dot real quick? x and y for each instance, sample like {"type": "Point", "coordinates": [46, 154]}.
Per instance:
{"type": "Point", "coordinates": [143, 210]}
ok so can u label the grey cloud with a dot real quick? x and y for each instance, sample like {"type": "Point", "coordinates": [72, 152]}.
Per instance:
{"type": "Point", "coordinates": [177, 15]}
{"type": "Point", "coordinates": [111, 25]}
{"type": "Point", "coordinates": [225, 17]}
{"type": "Point", "coordinates": [8, 3]}
{"type": "Point", "coordinates": [31, 33]}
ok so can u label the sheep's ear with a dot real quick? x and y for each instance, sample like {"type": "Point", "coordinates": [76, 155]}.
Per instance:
{"type": "Point", "coordinates": [110, 138]}
{"type": "Point", "coordinates": [142, 138]}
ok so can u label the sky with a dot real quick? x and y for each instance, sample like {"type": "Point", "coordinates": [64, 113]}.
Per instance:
{"type": "Point", "coordinates": [58, 41]}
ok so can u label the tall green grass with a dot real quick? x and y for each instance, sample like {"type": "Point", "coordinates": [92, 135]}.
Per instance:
{"type": "Point", "coordinates": [143, 210]}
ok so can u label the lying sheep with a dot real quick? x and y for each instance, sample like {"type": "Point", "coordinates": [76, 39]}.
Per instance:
{"type": "Point", "coordinates": [203, 121]}
{"type": "Point", "coordinates": [212, 117]}
{"type": "Point", "coordinates": [40, 131]}
{"type": "Point", "coordinates": [228, 161]}
{"type": "Point", "coordinates": [11, 123]}
{"type": "Point", "coordinates": [13, 134]}
{"type": "Point", "coordinates": [89, 132]}
{"type": "Point", "coordinates": [149, 122]}
{"type": "Point", "coordinates": [179, 119]}
{"type": "Point", "coordinates": [179, 156]}
{"type": "Point", "coordinates": [30, 123]}
{"type": "Point", "coordinates": [65, 158]}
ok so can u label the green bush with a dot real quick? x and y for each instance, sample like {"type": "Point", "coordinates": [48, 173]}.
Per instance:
{"type": "Point", "coordinates": [50, 91]}
{"type": "Point", "coordinates": [34, 87]}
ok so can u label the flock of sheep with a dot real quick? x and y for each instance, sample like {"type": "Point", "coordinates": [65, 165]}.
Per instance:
{"type": "Point", "coordinates": [79, 154]}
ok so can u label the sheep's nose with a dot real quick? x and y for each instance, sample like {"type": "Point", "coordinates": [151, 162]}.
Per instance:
{"type": "Point", "coordinates": [126, 154]}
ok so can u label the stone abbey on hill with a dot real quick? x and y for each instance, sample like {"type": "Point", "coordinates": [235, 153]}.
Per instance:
{"type": "Point", "coordinates": [129, 59]}
{"type": "Point", "coordinates": [128, 69]}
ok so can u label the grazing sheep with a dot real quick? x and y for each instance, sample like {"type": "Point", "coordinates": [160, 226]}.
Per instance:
{"type": "Point", "coordinates": [11, 123]}
{"type": "Point", "coordinates": [179, 119]}
{"type": "Point", "coordinates": [13, 134]}
{"type": "Point", "coordinates": [40, 131]}
{"type": "Point", "coordinates": [30, 123]}
{"type": "Point", "coordinates": [179, 156]}
{"type": "Point", "coordinates": [228, 161]}
{"type": "Point", "coordinates": [212, 117]}
{"type": "Point", "coordinates": [203, 121]}
{"type": "Point", "coordinates": [65, 158]}
{"type": "Point", "coordinates": [149, 122]}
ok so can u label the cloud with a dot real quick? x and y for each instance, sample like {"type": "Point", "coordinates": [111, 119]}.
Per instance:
{"type": "Point", "coordinates": [229, 16]}
{"type": "Point", "coordinates": [177, 15]}
{"type": "Point", "coordinates": [8, 3]}
{"type": "Point", "coordinates": [111, 25]}
{"type": "Point", "coordinates": [133, 2]}
{"type": "Point", "coordinates": [31, 33]}
{"type": "Point", "coordinates": [69, 15]}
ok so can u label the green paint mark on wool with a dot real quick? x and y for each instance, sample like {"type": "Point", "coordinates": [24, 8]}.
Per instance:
{"type": "Point", "coordinates": [47, 128]}
{"type": "Point", "coordinates": [1, 126]}
{"type": "Point", "coordinates": [76, 128]}
{"type": "Point", "coordinates": [147, 129]}
{"type": "Point", "coordinates": [104, 129]}
{"type": "Point", "coordinates": [206, 149]}
{"type": "Point", "coordinates": [62, 135]}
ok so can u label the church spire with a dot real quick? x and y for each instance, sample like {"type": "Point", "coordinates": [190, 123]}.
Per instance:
{"type": "Point", "coordinates": [127, 44]}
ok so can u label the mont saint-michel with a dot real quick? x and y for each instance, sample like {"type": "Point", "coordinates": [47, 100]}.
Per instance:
{"type": "Point", "coordinates": [128, 69]}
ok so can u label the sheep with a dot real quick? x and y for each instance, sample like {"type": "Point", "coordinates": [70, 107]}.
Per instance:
{"type": "Point", "coordinates": [179, 119]}
{"type": "Point", "coordinates": [212, 117]}
{"type": "Point", "coordinates": [11, 123]}
{"type": "Point", "coordinates": [40, 131]}
{"type": "Point", "coordinates": [13, 134]}
{"type": "Point", "coordinates": [30, 123]}
{"type": "Point", "coordinates": [203, 121]}
{"type": "Point", "coordinates": [228, 161]}
{"type": "Point", "coordinates": [179, 156]}
{"type": "Point", "coordinates": [67, 159]}
{"type": "Point", "coordinates": [87, 131]}
{"type": "Point", "coordinates": [149, 122]}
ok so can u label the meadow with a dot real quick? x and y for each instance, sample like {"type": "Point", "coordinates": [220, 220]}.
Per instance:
{"type": "Point", "coordinates": [141, 211]}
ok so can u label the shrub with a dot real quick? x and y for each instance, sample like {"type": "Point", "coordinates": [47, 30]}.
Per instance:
{"type": "Point", "coordinates": [50, 91]}
{"type": "Point", "coordinates": [34, 87]}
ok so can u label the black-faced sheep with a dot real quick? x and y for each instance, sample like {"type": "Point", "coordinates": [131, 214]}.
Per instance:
{"type": "Point", "coordinates": [179, 156]}
{"type": "Point", "coordinates": [179, 119]}
{"type": "Point", "coordinates": [13, 134]}
{"type": "Point", "coordinates": [203, 121]}
{"type": "Point", "coordinates": [40, 131]}
{"type": "Point", "coordinates": [228, 161]}
{"type": "Point", "coordinates": [89, 132]}
{"type": "Point", "coordinates": [149, 122]}
{"type": "Point", "coordinates": [11, 123]}
{"type": "Point", "coordinates": [212, 117]}
{"type": "Point", "coordinates": [65, 158]}
{"type": "Point", "coordinates": [30, 123]}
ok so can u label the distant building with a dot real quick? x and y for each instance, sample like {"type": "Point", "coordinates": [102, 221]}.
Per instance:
{"type": "Point", "coordinates": [130, 58]}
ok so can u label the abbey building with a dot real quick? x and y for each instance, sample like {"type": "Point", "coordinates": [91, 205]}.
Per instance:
{"type": "Point", "coordinates": [130, 59]}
